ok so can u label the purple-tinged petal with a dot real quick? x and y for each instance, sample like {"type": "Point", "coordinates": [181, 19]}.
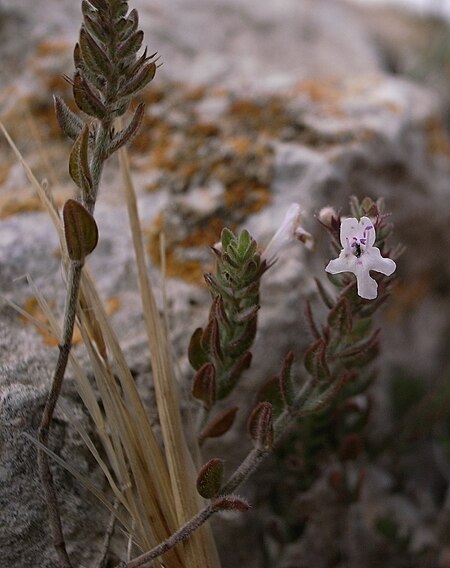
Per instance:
{"type": "Point", "coordinates": [349, 229]}
{"type": "Point", "coordinates": [367, 231]}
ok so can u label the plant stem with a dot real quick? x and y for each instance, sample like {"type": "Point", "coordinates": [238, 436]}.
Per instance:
{"type": "Point", "coordinates": [73, 288]}
{"type": "Point", "coordinates": [247, 467]}
{"type": "Point", "coordinates": [179, 536]}
{"type": "Point", "coordinates": [98, 159]}
{"type": "Point", "coordinates": [74, 278]}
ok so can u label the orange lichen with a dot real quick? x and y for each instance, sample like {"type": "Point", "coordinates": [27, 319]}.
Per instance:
{"type": "Point", "coordinates": [31, 306]}
{"type": "Point", "coordinates": [57, 46]}
{"type": "Point", "coordinates": [25, 202]}
{"type": "Point", "coordinates": [247, 197]}
{"type": "Point", "coordinates": [240, 144]}
{"type": "Point", "coordinates": [319, 91]}
{"type": "Point", "coordinates": [438, 139]}
{"type": "Point", "coordinates": [204, 234]}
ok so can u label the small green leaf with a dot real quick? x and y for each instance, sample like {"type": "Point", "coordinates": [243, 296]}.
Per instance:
{"type": "Point", "coordinates": [139, 81]}
{"type": "Point", "coordinates": [220, 425]}
{"type": "Point", "coordinates": [320, 398]}
{"type": "Point", "coordinates": [246, 314]}
{"type": "Point", "coordinates": [196, 354]}
{"type": "Point", "coordinates": [270, 392]}
{"type": "Point", "coordinates": [80, 230]}
{"type": "Point", "coordinates": [210, 478]}
{"type": "Point", "coordinates": [128, 133]}
{"type": "Point", "coordinates": [361, 328]}
{"type": "Point", "coordinates": [226, 238]}
{"type": "Point", "coordinates": [93, 55]}
{"type": "Point", "coordinates": [286, 381]}
{"type": "Point", "coordinates": [70, 123]}
{"type": "Point", "coordinates": [260, 426]}
{"type": "Point", "coordinates": [210, 340]}
{"type": "Point", "coordinates": [218, 311]}
{"type": "Point", "coordinates": [315, 360]}
{"type": "Point", "coordinates": [95, 27]}
{"type": "Point", "coordinates": [79, 162]}
{"type": "Point", "coordinates": [357, 350]}
{"type": "Point", "coordinates": [131, 45]}
{"type": "Point", "coordinates": [226, 384]}
{"type": "Point", "coordinates": [121, 10]}
{"type": "Point", "coordinates": [243, 242]}
{"type": "Point", "coordinates": [133, 18]}
{"type": "Point", "coordinates": [245, 340]}
{"type": "Point", "coordinates": [204, 385]}
{"type": "Point", "coordinates": [85, 97]}
{"type": "Point", "coordinates": [231, 503]}
{"type": "Point", "coordinates": [101, 5]}
{"type": "Point", "coordinates": [340, 318]}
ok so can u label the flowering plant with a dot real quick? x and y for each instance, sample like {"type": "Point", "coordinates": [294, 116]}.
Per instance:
{"type": "Point", "coordinates": [156, 489]}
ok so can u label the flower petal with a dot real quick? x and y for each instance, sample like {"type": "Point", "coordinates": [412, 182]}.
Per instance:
{"type": "Point", "coordinates": [367, 286]}
{"type": "Point", "coordinates": [374, 261]}
{"type": "Point", "coordinates": [345, 263]}
{"type": "Point", "coordinates": [349, 229]}
{"type": "Point", "coordinates": [290, 229]}
{"type": "Point", "coordinates": [367, 231]}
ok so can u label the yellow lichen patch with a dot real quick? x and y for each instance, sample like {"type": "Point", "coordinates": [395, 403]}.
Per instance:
{"type": "Point", "coordinates": [438, 140]}
{"type": "Point", "coordinates": [240, 144]}
{"type": "Point", "coordinates": [246, 197]}
{"type": "Point", "coordinates": [12, 205]}
{"type": "Point", "coordinates": [319, 91]}
{"type": "Point", "coordinates": [268, 116]}
{"type": "Point", "coordinates": [22, 201]}
{"type": "Point", "coordinates": [31, 306]}
{"type": "Point", "coordinates": [177, 266]}
{"type": "Point", "coordinates": [48, 47]}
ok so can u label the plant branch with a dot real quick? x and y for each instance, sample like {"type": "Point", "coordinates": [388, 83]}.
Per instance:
{"type": "Point", "coordinates": [74, 278]}
{"type": "Point", "coordinates": [179, 536]}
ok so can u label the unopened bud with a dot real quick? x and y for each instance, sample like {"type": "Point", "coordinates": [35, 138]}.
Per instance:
{"type": "Point", "coordinates": [326, 215]}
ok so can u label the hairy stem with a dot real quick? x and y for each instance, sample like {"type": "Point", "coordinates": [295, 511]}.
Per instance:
{"type": "Point", "coordinates": [97, 162]}
{"type": "Point", "coordinates": [179, 536]}
{"type": "Point", "coordinates": [74, 278]}
{"type": "Point", "coordinates": [247, 467]}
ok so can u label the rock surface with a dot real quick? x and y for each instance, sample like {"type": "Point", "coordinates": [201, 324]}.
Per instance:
{"type": "Point", "coordinates": [296, 118]}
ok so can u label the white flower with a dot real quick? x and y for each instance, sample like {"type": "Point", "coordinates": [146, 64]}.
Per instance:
{"type": "Point", "coordinates": [359, 256]}
{"type": "Point", "coordinates": [289, 230]}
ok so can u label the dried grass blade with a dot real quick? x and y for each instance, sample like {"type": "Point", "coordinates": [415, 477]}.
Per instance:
{"type": "Point", "coordinates": [82, 479]}
{"type": "Point", "coordinates": [200, 548]}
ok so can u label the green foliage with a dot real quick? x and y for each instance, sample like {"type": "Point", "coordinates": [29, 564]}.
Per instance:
{"type": "Point", "coordinates": [260, 426]}
{"type": "Point", "coordinates": [222, 347]}
{"type": "Point", "coordinates": [80, 230]}
{"type": "Point", "coordinates": [210, 478]}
